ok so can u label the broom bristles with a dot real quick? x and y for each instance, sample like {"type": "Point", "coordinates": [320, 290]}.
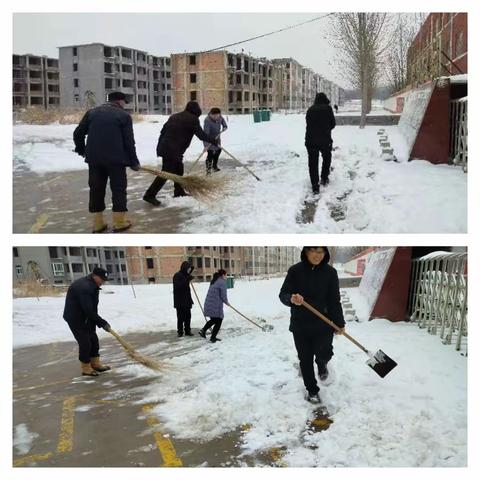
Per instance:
{"type": "Point", "coordinates": [202, 188]}
{"type": "Point", "coordinates": [148, 362]}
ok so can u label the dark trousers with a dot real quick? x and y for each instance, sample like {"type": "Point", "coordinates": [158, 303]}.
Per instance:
{"type": "Point", "coordinates": [313, 157]}
{"type": "Point", "coordinates": [312, 347]}
{"type": "Point", "coordinates": [171, 165]}
{"type": "Point", "coordinates": [184, 316]}
{"type": "Point", "coordinates": [216, 323]}
{"type": "Point", "coordinates": [212, 159]}
{"type": "Point", "coordinates": [97, 181]}
{"type": "Point", "coordinates": [87, 340]}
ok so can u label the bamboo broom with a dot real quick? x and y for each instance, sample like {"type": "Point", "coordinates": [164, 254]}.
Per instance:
{"type": "Point", "coordinates": [148, 362]}
{"type": "Point", "coordinates": [203, 189]}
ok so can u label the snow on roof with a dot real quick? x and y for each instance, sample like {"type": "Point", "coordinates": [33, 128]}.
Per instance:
{"type": "Point", "coordinates": [463, 78]}
{"type": "Point", "coordinates": [440, 254]}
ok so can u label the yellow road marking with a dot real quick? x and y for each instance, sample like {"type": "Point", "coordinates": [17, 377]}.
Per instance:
{"type": "Point", "coordinates": [165, 446]}
{"type": "Point", "coordinates": [39, 223]}
{"type": "Point", "coordinates": [33, 387]}
{"type": "Point", "coordinates": [22, 461]}
{"type": "Point", "coordinates": [65, 439]}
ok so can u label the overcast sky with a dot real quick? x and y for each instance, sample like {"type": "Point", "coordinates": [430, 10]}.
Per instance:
{"type": "Point", "coordinates": [165, 33]}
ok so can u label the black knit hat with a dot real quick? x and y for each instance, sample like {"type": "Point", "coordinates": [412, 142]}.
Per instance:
{"type": "Point", "coordinates": [116, 96]}
{"type": "Point", "coordinates": [101, 272]}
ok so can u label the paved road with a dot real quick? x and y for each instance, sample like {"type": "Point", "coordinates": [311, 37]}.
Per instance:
{"type": "Point", "coordinates": [104, 421]}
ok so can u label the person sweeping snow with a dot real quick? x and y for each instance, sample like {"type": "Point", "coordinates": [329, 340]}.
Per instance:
{"type": "Point", "coordinates": [213, 307]}
{"type": "Point", "coordinates": [213, 125]}
{"type": "Point", "coordinates": [81, 314]}
{"type": "Point", "coordinates": [182, 299]}
{"type": "Point", "coordinates": [316, 282]}
{"type": "Point", "coordinates": [175, 138]}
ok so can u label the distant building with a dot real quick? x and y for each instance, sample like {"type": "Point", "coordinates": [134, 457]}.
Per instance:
{"type": "Point", "coordinates": [439, 48]}
{"type": "Point", "coordinates": [89, 72]}
{"type": "Point", "coordinates": [35, 82]}
{"type": "Point", "coordinates": [63, 265]}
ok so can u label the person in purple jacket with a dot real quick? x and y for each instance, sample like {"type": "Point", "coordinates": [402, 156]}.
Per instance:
{"type": "Point", "coordinates": [213, 307]}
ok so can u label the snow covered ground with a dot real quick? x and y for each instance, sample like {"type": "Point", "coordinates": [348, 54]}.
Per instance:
{"type": "Point", "coordinates": [366, 194]}
{"type": "Point", "coordinates": [416, 416]}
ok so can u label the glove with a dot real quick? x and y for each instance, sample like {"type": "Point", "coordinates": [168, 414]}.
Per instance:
{"type": "Point", "coordinates": [190, 278]}
{"type": "Point", "coordinates": [136, 167]}
{"type": "Point", "coordinates": [106, 326]}
{"type": "Point", "coordinates": [80, 151]}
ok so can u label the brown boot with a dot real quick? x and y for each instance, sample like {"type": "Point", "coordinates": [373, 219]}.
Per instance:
{"type": "Point", "coordinates": [121, 222]}
{"type": "Point", "coordinates": [88, 370]}
{"type": "Point", "coordinates": [96, 365]}
{"type": "Point", "coordinates": [99, 224]}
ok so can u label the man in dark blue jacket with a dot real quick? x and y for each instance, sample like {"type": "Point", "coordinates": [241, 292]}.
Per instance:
{"type": "Point", "coordinates": [318, 139]}
{"type": "Point", "coordinates": [175, 138]}
{"type": "Point", "coordinates": [110, 149]}
{"type": "Point", "coordinates": [316, 282]}
{"type": "Point", "coordinates": [182, 299]}
{"type": "Point", "coordinates": [81, 314]}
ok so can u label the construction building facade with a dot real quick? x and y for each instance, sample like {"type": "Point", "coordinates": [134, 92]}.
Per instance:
{"type": "Point", "coordinates": [88, 73]}
{"type": "Point", "coordinates": [35, 82]}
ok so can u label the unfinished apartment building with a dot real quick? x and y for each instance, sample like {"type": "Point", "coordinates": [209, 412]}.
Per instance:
{"type": "Point", "coordinates": [35, 82]}
{"type": "Point", "coordinates": [88, 73]}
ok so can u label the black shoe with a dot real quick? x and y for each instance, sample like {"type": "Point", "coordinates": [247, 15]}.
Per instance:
{"type": "Point", "coordinates": [315, 189]}
{"type": "Point", "coordinates": [323, 373]}
{"type": "Point", "coordinates": [151, 200]}
{"type": "Point", "coordinates": [189, 334]}
{"type": "Point", "coordinates": [216, 169]}
{"type": "Point", "coordinates": [183, 194]}
{"type": "Point", "coordinates": [213, 340]}
{"type": "Point", "coordinates": [202, 333]}
{"type": "Point", "coordinates": [324, 182]}
{"type": "Point", "coordinates": [180, 334]}
{"type": "Point", "coordinates": [314, 398]}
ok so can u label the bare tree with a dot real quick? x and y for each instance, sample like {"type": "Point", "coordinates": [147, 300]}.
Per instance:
{"type": "Point", "coordinates": [406, 26]}
{"type": "Point", "coordinates": [361, 41]}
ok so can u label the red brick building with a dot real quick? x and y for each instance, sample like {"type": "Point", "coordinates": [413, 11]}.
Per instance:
{"type": "Point", "coordinates": [440, 48]}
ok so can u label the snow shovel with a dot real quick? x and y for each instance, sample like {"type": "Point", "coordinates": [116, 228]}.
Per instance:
{"type": "Point", "coordinates": [265, 328]}
{"type": "Point", "coordinates": [380, 361]}
{"type": "Point", "coordinates": [242, 164]}
{"type": "Point", "coordinates": [148, 362]}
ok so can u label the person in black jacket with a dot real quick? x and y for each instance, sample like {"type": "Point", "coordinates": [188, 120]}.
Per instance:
{"type": "Point", "coordinates": [318, 139]}
{"type": "Point", "coordinates": [182, 298]}
{"type": "Point", "coordinates": [109, 150]}
{"type": "Point", "coordinates": [316, 282]}
{"type": "Point", "coordinates": [81, 314]}
{"type": "Point", "coordinates": [175, 137]}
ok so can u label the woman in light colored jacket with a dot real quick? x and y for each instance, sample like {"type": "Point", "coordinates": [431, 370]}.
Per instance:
{"type": "Point", "coordinates": [213, 307]}
{"type": "Point", "coordinates": [214, 124]}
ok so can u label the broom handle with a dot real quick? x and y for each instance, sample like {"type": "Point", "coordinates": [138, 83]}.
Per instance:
{"type": "Point", "coordinates": [333, 325]}
{"type": "Point", "coordinates": [197, 160]}
{"type": "Point", "coordinates": [243, 165]}
{"type": "Point", "coordinates": [198, 300]}
{"type": "Point", "coordinates": [246, 318]}
{"type": "Point", "coordinates": [158, 173]}
{"type": "Point", "coordinates": [124, 344]}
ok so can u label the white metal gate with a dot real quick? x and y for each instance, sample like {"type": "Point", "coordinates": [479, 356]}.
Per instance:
{"type": "Point", "coordinates": [438, 296]}
{"type": "Point", "coordinates": [459, 132]}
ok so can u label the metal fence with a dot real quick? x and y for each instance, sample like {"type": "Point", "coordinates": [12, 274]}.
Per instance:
{"type": "Point", "coordinates": [438, 296]}
{"type": "Point", "coordinates": [459, 132]}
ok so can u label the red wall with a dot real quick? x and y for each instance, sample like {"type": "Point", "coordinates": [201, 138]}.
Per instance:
{"type": "Point", "coordinates": [392, 301]}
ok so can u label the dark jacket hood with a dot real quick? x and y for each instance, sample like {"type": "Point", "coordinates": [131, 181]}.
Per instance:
{"type": "Point", "coordinates": [184, 267]}
{"type": "Point", "coordinates": [321, 99]}
{"type": "Point", "coordinates": [193, 107]}
{"type": "Point", "coordinates": [326, 258]}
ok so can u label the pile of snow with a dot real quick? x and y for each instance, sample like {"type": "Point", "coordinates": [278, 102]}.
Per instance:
{"type": "Point", "coordinates": [23, 439]}
{"type": "Point", "coordinates": [365, 192]}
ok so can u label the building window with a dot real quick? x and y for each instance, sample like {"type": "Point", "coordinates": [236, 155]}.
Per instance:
{"type": "Point", "coordinates": [75, 67]}
{"type": "Point", "coordinates": [76, 98]}
{"type": "Point", "coordinates": [77, 267]}
{"type": "Point", "coordinates": [58, 269]}
{"type": "Point", "coordinates": [18, 270]}
{"type": "Point", "coordinates": [245, 79]}
{"type": "Point", "coordinates": [75, 251]}
{"type": "Point", "coordinates": [151, 279]}
{"type": "Point", "coordinates": [215, 263]}
{"type": "Point", "coordinates": [239, 96]}
{"type": "Point", "coordinates": [91, 252]}
{"type": "Point", "coordinates": [193, 78]}
{"type": "Point", "coordinates": [199, 262]}
{"type": "Point", "coordinates": [53, 251]}
{"type": "Point", "coordinates": [239, 79]}
{"type": "Point", "coordinates": [124, 267]}
{"type": "Point", "coordinates": [75, 82]}
{"type": "Point", "coordinates": [15, 251]}
{"type": "Point", "coordinates": [193, 95]}
{"type": "Point", "coordinates": [75, 51]}
{"type": "Point", "coordinates": [207, 262]}
{"type": "Point", "coordinates": [109, 268]}
{"type": "Point", "coordinates": [122, 254]}
{"type": "Point", "coordinates": [149, 262]}
{"type": "Point", "coordinates": [108, 255]}
{"type": "Point", "coordinates": [247, 96]}
{"type": "Point", "coordinates": [192, 60]}
{"type": "Point", "coordinates": [230, 97]}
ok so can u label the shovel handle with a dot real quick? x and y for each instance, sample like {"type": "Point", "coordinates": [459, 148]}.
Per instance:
{"type": "Point", "coordinates": [333, 325]}
{"type": "Point", "coordinates": [243, 165]}
{"type": "Point", "coordinates": [246, 318]}
{"type": "Point", "coordinates": [198, 300]}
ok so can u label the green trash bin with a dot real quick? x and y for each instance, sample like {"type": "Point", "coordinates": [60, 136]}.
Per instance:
{"type": "Point", "coordinates": [257, 116]}
{"type": "Point", "coordinates": [230, 282]}
{"type": "Point", "coordinates": [264, 114]}
{"type": "Point", "coordinates": [269, 115]}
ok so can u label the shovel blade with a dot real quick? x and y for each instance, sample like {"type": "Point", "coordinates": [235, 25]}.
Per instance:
{"type": "Point", "coordinates": [267, 328]}
{"type": "Point", "coordinates": [381, 363]}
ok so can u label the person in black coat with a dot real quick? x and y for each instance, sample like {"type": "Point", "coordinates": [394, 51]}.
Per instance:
{"type": "Point", "coordinates": [175, 137]}
{"type": "Point", "coordinates": [316, 282]}
{"type": "Point", "coordinates": [110, 148]}
{"type": "Point", "coordinates": [81, 314]}
{"type": "Point", "coordinates": [318, 139]}
{"type": "Point", "coordinates": [182, 298]}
